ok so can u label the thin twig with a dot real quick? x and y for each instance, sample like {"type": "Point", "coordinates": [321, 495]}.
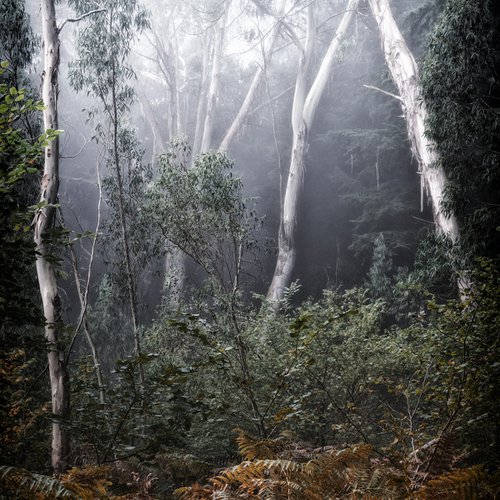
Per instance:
{"type": "Point", "coordinates": [85, 301]}
{"type": "Point", "coordinates": [383, 91]}
{"type": "Point", "coordinates": [30, 388]}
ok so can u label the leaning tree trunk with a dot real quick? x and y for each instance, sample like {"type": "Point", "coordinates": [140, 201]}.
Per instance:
{"type": "Point", "coordinates": [254, 87]}
{"type": "Point", "coordinates": [404, 72]}
{"type": "Point", "coordinates": [303, 111]}
{"type": "Point", "coordinates": [44, 221]}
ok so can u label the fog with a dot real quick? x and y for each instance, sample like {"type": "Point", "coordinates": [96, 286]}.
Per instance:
{"type": "Point", "coordinates": [360, 179]}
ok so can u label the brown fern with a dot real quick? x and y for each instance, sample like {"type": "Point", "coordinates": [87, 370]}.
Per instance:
{"type": "Point", "coordinates": [87, 482]}
{"type": "Point", "coordinates": [352, 472]}
{"type": "Point", "coordinates": [251, 448]}
{"type": "Point", "coordinates": [459, 484]}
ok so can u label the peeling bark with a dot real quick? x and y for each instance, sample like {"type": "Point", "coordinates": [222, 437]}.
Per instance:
{"type": "Point", "coordinates": [404, 72]}
{"type": "Point", "coordinates": [43, 222]}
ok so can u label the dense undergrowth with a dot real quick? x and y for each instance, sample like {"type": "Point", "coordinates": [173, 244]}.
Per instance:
{"type": "Point", "coordinates": [341, 401]}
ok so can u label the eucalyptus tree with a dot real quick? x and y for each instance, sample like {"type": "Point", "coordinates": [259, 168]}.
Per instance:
{"type": "Point", "coordinates": [43, 225]}
{"type": "Point", "coordinates": [199, 207]}
{"type": "Point", "coordinates": [169, 21]}
{"type": "Point", "coordinates": [45, 265]}
{"type": "Point", "coordinates": [170, 26]}
{"type": "Point", "coordinates": [305, 104]}
{"type": "Point", "coordinates": [176, 28]}
{"type": "Point", "coordinates": [404, 72]}
{"type": "Point", "coordinates": [103, 72]}
{"type": "Point", "coordinates": [177, 66]}
{"type": "Point", "coordinates": [257, 80]}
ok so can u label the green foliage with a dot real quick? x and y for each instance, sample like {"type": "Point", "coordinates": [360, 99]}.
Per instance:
{"type": "Point", "coordinates": [103, 71]}
{"type": "Point", "coordinates": [103, 48]}
{"type": "Point", "coordinates": [277, 369]}
{"type": "Point", "coordinates": [132, 422]}
{"type": "Point", "coordinates": [200, 209]}
{"type": "Point", "coordinates": [380, 274]}
{"type": "Point", "coordinates": [331, 372]}
{"type": "Point", "coordinates": [461, 90]}
{"type": "Point", "coordinates": [18, 43]}
{"type": "Point", "coordinates": [459, 362]}
{"type": "Point", "coordinates": [143, 240]}
{"type": "Point", "coordinates": [21, 360]}
{"type": "Point", "coordinates": [19, 160]}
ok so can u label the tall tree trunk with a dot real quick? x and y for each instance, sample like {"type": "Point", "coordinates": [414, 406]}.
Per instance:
{"type": "Point", "coordinates": [303, 111]}
{"type": "Point", "coordinates": [254, 86]}
{"type": "Point", "coordinates": [44, 221]}
{"type": "Point", "coordinates": [213, 92]}
{"type": "Point", "coordinates": [130, 284]}
{"type": "Point", "coordinates": [202, 98]}
{"type": "Point", "coordinates": [404, 72]}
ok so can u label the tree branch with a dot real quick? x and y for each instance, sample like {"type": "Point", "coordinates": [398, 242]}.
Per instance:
{"type": "Point", "coordinates": [383, 92]}
{"type": "Point", "coordinates": [280, 19]}
{"type": "Point", "coordinates": [76, 19]}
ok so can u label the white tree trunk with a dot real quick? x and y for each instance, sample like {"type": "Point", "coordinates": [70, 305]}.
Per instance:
{"type": "Point", "coordinates": [404, 72]}
{"type": "Point", "coordinates": [220, 30]}
{"type": "Point", "coordinates": [202, 98]}
{"type": "Point", "coordinates": [44, 221]}
{"type": "Point", "coordinates": [303, 111]}
{"type": "Point", "coordinates": [254, 86]}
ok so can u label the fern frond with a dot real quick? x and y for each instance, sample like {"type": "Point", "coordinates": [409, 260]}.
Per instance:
{"type": "Point", "coordinates": [86, 484]}
{"type": "Point", "coordinates": [251, 448]}
{"type": "Point", "coordinates": [434, 458]}
{"type": "Point", "coordinates": [334, 472]}
{"type": "Point", "coordinates": [24, 485]}
{"type": "Point", "coordinates": [194, 492]}
{"type": "Point", "coordinates": [460, 484]}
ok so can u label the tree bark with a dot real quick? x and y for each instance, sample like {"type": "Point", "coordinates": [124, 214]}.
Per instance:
{"type": "Point", "coordinates": [220, 30]}
{"type": "Point", "coordinates": [303, 111]}
{"type": "Point", "coordinates": [254, 86]}
{"type": "Point", "coordinates": [43, 222]}
{"type": "Point", "coordinates": [202, 98]}
{"type": "Point", "coordinates": [404, 73]}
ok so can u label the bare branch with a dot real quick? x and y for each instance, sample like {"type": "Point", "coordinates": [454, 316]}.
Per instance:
{"type": "Point", "coordinates": [280, 19]}
{"type": "Point", "coordinates": [383, 92]}
{"type": "Point", "coordinates": [76, 19]}
{"type": "Point", "coordinates": [77, 154]}
{"type": "Point", "coordinates": [84, 297]}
